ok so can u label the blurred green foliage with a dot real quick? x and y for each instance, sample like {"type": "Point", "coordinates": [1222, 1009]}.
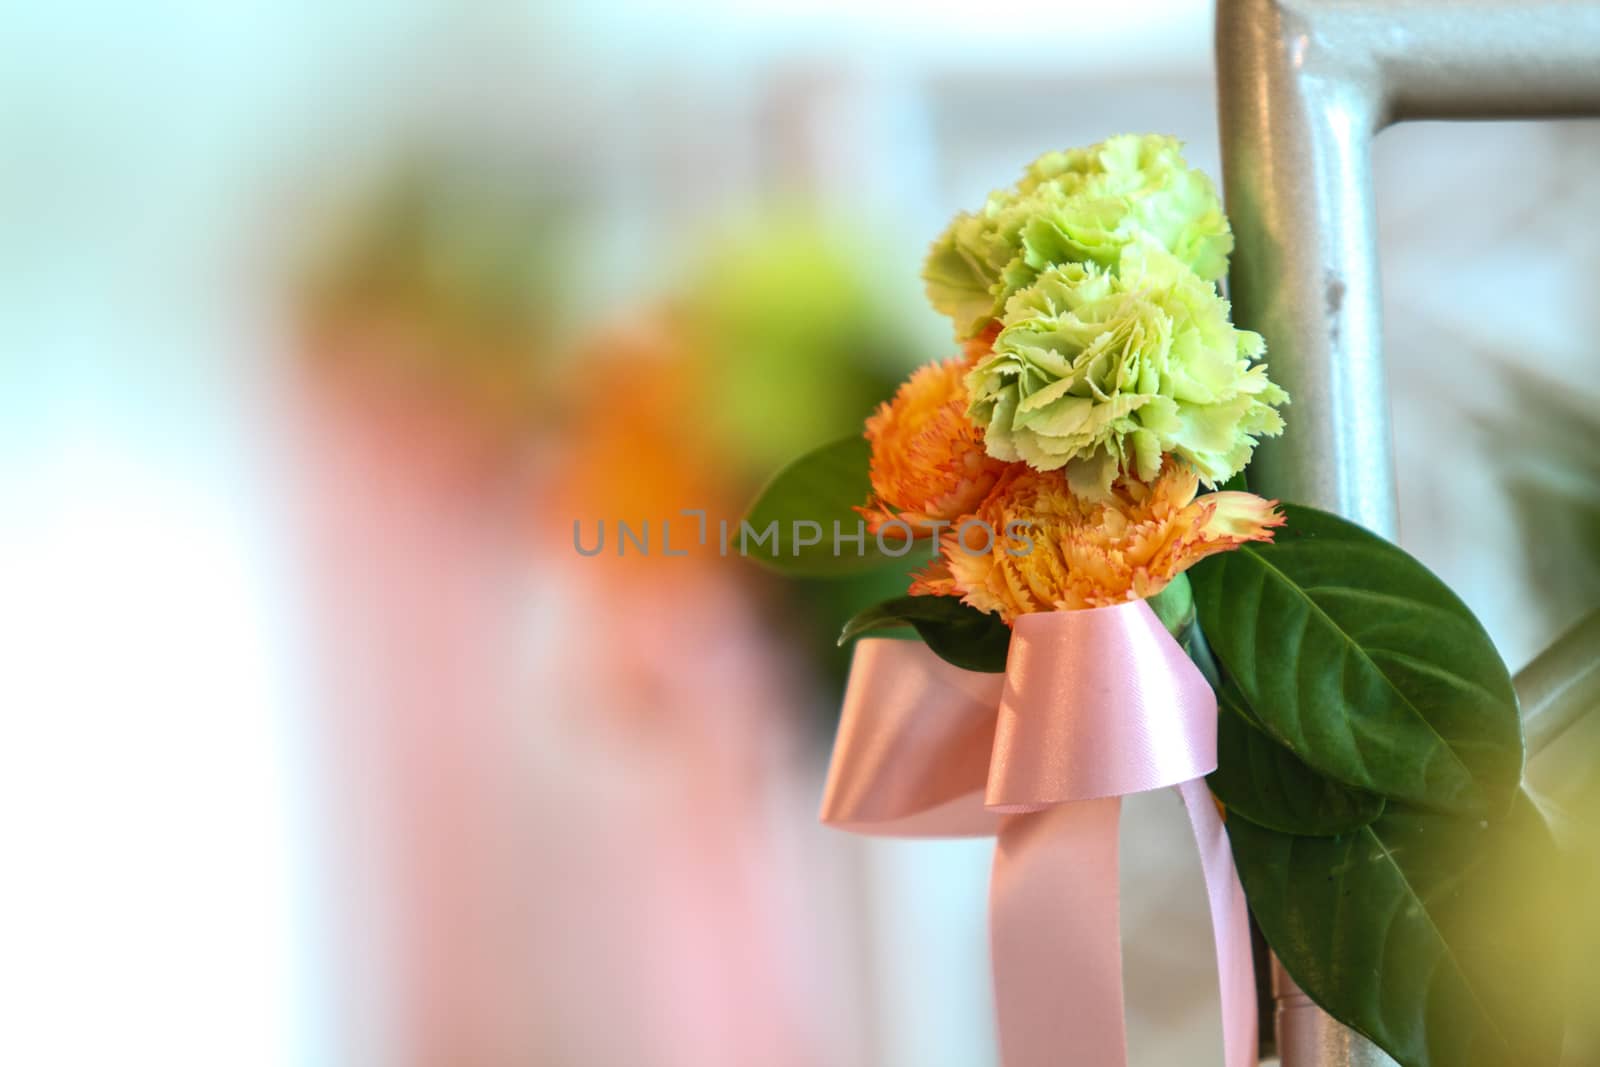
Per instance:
{"type": "Point", "coordinates": [800, 341]}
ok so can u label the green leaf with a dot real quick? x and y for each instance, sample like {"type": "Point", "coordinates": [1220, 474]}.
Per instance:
{"type": "Point", "coordinates": [1239, 483]}
{"type": "Point", "coordinates": [1174, 606]}
{"type": "Point", "coordinates": [1264, 782]}
{"type": "Point", "coordinates": [1438, 936]}
{"type": "Point", "coordinates": [1366, 666]}
{"type": "Point", "coordinates": [957, 633]}
{"type": "Point", "coordinates": [822, 487]}
{"type": "Point", "coordinates": [815, 607]}
{"type": "Point", "coordinates": [1258, 778]}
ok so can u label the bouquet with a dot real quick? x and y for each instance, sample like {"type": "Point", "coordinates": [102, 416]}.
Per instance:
{"type": "Point", "coordinates": [1105, 608]}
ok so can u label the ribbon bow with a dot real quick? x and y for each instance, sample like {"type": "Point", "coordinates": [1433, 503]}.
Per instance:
{"type": "Point", "coordinates": [1094, 705]}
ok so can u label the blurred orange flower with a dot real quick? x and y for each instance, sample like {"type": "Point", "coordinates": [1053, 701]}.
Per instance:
{"type": "Point", "coordinates": [928, 460]}
{"type": "Point", "coordinates": [1050, 550]}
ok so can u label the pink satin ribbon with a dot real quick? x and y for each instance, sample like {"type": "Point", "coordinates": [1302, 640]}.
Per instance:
{"type": "Point", "coordinates": [1094, 705]}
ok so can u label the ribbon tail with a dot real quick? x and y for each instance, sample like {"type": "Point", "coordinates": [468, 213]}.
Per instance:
{"type": "Point", "coordinates": [1230, 925]}
{"type": "Point", "coordinates": [1056, 938]}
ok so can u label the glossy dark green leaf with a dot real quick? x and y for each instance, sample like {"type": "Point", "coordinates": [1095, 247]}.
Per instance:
{"type": "Point", "coordinates": [958, 634]}
{"type": "Point", "coordinates": [1264, 782]}
{"type": "Point", "coordinates": [1438, 936]}
{"type": "Point", "coordinates": [1259, 778]}
{"type": "Point", "coordinates": [817, 495]}
{"type": "Point", "coordinates": [1366, 666]}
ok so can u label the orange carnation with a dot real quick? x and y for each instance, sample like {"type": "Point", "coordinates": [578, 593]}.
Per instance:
{"type": "Point", "coordinates": [1053, 551]}
{"type": "Point", "coordinates": [981, 346]}
{"type": "Point", "coordinates": [928, 460]}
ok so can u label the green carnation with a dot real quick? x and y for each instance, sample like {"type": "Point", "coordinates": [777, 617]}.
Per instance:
{"type": "Point", "coordinates": [1102, 371]}
{"type": "Point", "coordinates": [1081, 206]}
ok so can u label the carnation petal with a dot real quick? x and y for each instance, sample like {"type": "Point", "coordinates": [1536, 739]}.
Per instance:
{"type": "Point", "coordinates": [1082, 206]}
{"type": "Point", "coordinates": [928, 458]}
{"type": "Point", "coordinates": [1150, 367]}
{"type": "Point", "coordinates": [1090, 551]}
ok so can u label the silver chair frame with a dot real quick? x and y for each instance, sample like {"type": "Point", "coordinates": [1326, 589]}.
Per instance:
{"type": "Point", "coordinates": [1303, 87]}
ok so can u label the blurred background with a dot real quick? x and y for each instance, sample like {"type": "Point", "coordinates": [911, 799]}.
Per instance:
{"type": "Point", "coordinates": [321, 325]}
